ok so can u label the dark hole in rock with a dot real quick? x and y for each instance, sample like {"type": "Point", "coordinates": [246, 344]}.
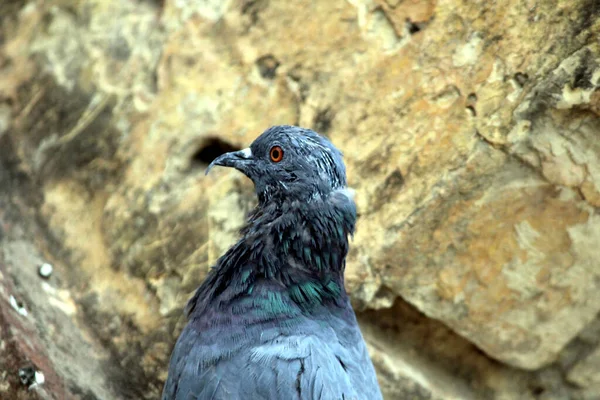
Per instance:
{"type": "Point", "coordinates": [412, 27]}
{"type": "Point", "coordinates": [322, 121]}
{"type": "Point", "coordinates": [589, 12]}
{"type": "Point", "coordinates": [210, 149]}
{"type": "Point", "coordinates": [253, 8]}
{"type": "Point", "coordinates": [521, 78]}
{"type": "Point", "coordinates": [537, 390]}
{"type": "Point", "coordinates": [267, 66]}
{"type": "Point", "coordinates": [583, 76]}
{"type": "Point", "coordinates": [471, 101]}
{"type": "Point", "coordinates": [27, 375]}
{"type": "Point", "coordinates": [415, 27]}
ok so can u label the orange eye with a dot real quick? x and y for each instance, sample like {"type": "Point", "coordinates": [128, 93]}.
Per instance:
{"type": "Point", "coordinates": [276, 154]}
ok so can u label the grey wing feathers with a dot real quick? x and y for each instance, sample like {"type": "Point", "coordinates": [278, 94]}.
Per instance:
{"type": "Point", "coordinates": [306, 369]}
{"type": "Point", "coordinates": [285, 368]}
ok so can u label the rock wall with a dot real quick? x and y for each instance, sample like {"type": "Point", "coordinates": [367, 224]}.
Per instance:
{"type": "Point", "coordinates": [470, 131]}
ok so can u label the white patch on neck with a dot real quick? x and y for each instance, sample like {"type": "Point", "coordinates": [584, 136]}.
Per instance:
{"type": "Point", "coordinates": [341, 196]}
{"type": "Point", "coordinates": [348, 192]}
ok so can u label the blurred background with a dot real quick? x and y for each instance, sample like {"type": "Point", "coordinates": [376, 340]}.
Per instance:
{"type": "Point", "coordinates": [470, 131]}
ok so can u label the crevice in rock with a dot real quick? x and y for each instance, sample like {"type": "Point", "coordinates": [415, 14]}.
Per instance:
{"type": "Point", "coordinates": [590, 11]}
{"type": "Point", "coordinates": [267, 66]}
{"type": "Point", "coordinates": [521, 78]}
{"type": "Point", "coordinates": [471, 102]}
{"type": "Point", "coordinates": [583, 73]}
{"type": "Point", "coordinates": [211, 148]}
{"type": "Point", "coordinates": [392, 184]}
{"type": "Point", "coordinates": [323, 120]}
{"type": "Point", "coordinates": [415, 27]}
{"type": "Point", "coordinates": [422, 346]}
{"type": "Point", "coordinates": [449, 366]}
{"type": "Point", "coordinates": [487, 141]}
{"type": "Point", "coordinates": [581, 346]}
{"type": "Point", "coordinates": [252, 8]}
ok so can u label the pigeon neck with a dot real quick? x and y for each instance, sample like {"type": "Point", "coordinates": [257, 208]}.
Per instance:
{"type": "Point", "coordinates": [305, 245]}
{"type": "Point", "coordinates": [297, 246]}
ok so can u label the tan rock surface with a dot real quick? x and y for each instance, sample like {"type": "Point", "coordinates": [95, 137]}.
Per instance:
{"type": "Point", "coordinates": [470, 132]}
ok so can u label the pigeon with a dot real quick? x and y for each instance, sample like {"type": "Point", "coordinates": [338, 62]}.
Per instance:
{"type": "Point", "coordinates": [272, 320]}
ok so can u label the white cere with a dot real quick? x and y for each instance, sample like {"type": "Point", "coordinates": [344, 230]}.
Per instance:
{"type": "Point", "coordinates": [46, 270]}
{"type": "Point", "coordinates": [19, 308]}
{"type": "Point", "coordinates": [247, 152]}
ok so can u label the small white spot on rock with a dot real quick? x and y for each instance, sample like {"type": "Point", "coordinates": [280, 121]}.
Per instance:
{"type": "Point", "coordinates": [45, 270]}
{"type": "Point", "coordinates": [19, 308]}
{"type": "Point", "coordinates": [498, 71]}
{"type": "Point", "coordinates": [39, 380]}
{"type": "Point", "coordinates": [28, 9]}
{"type": "Point", "coordinates": [39, 377]}
{"type": "Point", "coordinates": [209, 9]}
{"type": "Point", "coordinates": [574, 97]}
{"type": "Point", "coordinates": [469, 53]}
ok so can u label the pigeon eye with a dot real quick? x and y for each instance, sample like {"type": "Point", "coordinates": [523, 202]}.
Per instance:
{"type": "Point", "coordinates": [276, 154]}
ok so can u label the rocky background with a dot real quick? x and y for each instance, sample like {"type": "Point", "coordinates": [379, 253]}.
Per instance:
{"type": "Point", "coordinates": [470, 130]}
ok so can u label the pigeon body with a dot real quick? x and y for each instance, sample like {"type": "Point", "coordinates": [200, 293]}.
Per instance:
{"type": "Point", "coordinates": [272, 320]}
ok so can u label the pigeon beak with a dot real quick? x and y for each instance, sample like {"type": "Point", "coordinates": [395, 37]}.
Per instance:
{"type": "Point", "coordinates": [235, 159]}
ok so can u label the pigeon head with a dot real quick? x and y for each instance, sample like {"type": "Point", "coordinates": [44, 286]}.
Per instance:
{"type": "Point", "coordinates": [295, 241]}
{"type": "Point", "coordinates": [288, 162]}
